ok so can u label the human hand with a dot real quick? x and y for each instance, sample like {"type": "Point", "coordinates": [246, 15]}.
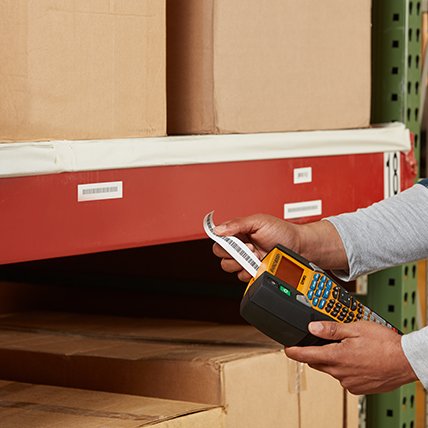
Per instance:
{"type": "Point", "coordinates": [261, 232]}
{"type": "Point", "coordinates": [368, 358]}
{"type": "Point", "coordinates": [318, 242]}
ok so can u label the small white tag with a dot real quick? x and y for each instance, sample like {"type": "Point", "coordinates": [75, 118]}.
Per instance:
{"type": "Point", "coordinates": [302, 209]}
{"type": "Point", "coordinates": [392, 174]}
{"type": "Point", "coordinates": [99, 191]}
{"type": "Point", "coordinates": [302, 175]}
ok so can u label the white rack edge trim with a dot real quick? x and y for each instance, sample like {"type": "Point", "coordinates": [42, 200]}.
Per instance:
{"type": "Point", "coordinates": [53, 157]}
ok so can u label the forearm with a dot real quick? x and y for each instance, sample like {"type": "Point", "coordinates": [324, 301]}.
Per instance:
{"type": "Point", "coordinates": [321, 243]}
{"type": "Point", "coordinates": [386, 234]}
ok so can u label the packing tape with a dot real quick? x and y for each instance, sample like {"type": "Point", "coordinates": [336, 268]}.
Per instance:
{"type": "Point", "coordinates": [296, 377]}
{"type": "Point", "coordinates": [297, 384]}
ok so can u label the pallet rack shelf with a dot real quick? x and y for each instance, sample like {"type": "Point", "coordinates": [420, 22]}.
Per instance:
{"type": "Point", "coordinates": [42, 216]}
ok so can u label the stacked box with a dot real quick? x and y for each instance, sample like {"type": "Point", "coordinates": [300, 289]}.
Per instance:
{"type": "Point", "coordinates": [27, 405]}
{"type": "Point", "coordinates": [248, 66]}
{"type": "Point", "coordinates": [235, 367]}
{"type": "Point", "coordinates": [84, 69]}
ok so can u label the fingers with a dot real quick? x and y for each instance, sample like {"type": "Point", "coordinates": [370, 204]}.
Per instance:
{"type": "Point", "coordinates": [241, 225]}
{"type": "Point", "coordinates": [229, 265]}
{"type": "Point", "coordinates": [244, 276]}
{"type": "Point", "coordinates": [334, 331]}
{"type": "Point", "coordinates": [312, 355]}
{"type": "Point", "coordinates": [222, 253]}
{"type": "Point", "coordinates": [321, 355]}
{"type": "Point", "coordinates": [231, 227]}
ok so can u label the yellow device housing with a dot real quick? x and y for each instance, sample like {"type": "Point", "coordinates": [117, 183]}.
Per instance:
{"type": "Point", "coordinates": [321, 291]}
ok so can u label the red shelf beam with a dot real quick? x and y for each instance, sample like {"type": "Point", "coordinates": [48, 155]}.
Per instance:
{"type": "Point", "coordinates": [40, 216]}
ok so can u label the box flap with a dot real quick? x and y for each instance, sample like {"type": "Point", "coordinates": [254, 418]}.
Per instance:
{"type": "Point", "coordinates": [32, 403]}
{"type": "Point", "coordinates": [81, 358]}
{"type": "Point", "coordinates": [99, 326]}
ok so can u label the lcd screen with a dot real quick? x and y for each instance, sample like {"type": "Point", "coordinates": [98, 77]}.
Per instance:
{"type": "Point", "coordinates": [289, 272]}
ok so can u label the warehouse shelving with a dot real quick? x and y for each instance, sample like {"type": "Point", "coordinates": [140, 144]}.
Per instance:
{"type": "Point", "coordinates": [166, 194]}
{"type": "Point", "coordinates": [396, 96]}
{"type": "Point", "coordinates": [43, 218]}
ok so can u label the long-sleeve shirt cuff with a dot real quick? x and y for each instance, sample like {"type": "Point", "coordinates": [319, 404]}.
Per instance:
{"type": "Point", "coordinates": [415, 347]}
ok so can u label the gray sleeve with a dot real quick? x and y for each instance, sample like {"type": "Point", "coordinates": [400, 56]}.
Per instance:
{"type": "Point", "coordinates": [388, 233]}
{"type": "Point", "coordinates": [415, 347]}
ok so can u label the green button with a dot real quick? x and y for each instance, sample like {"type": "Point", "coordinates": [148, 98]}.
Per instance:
{"type": "Point", "coordinates": [285, 290]}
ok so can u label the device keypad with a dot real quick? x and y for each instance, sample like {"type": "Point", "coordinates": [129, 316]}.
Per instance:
{"type": "Point", "coordinates": [334, 300]}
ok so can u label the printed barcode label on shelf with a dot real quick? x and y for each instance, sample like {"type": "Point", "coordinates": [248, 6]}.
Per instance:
{"type": "Point", "coordinates": [99, 191]}
{"type": "Point", "coordinates": [302, 175]}
{"type": "Point", "coordinates": [302, 209]}
{"type": "Point", "coordinates": [234, 246]}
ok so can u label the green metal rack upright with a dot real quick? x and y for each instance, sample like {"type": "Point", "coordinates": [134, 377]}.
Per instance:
{"type": "Point", "coordinates": [396, 63]}
{"type": "Point", "coordinates": [396, 97]}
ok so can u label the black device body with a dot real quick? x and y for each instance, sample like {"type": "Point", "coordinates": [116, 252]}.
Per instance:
{"type": "Point", "coordinates": [283, 317]}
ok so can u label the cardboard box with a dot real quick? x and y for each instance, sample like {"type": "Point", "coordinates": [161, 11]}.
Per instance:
{"type": "Point", "coordinates": [245, 66]}
{"type": "Point", "coordinates": [232, 366]}
{"type": "Point", "coordinates": [85, 69]}
{"type": "Point", "coordinates": [26, 405]}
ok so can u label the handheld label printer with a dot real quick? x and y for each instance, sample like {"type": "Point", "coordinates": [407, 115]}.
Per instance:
{"type": "Point", "coordinates": [288, 292]}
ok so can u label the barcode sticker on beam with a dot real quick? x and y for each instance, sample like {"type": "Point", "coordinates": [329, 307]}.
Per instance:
{"type": "Point", "coordinates": [99, 191]}
{"type": "Point", "coordinates": [302, 175]}
{"type": "Point", "coordinates": [234, 246]}
{"type": "Point", "coordinates": [302, 209]}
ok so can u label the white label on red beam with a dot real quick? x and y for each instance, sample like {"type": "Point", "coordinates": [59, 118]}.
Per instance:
{"type": "Point", "coordinates": [99, 191]}
{"type": "Point", "coordinates": [302, 175]}
{"type": "Point", "coordinates": [302, 209]}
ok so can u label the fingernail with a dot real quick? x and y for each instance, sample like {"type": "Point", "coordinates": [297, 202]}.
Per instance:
{"type": "Point", "coordinates": [220, 229]}
{"type": "Point", "coordinates": [316, 327]}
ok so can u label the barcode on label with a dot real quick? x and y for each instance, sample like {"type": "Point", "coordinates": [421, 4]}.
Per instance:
{"type": "Point", "coordinates": [302, 209]}
{"type": "Point", "coordinates": [99, 191]}
{"type": "Point", "coordinates": [241, 252]}
{"type": "Point", "coordinates": [234, 246]}
{"type": "Point", "coordinates": [302, 175]}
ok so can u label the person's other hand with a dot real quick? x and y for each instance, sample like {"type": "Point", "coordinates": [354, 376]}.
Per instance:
{"type": "Point", "coordinates": [367, 359]}
{"type": "Point", "coordinates": [261, 232]}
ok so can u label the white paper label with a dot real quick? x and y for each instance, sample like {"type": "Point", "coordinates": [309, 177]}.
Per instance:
{"type": "Point", "coordinates": [392, 174]}
{"type": "Point", "coordinates": [302, 175]}
{"type": "Point", "coordinates": [234, 246]}
{"type": "Point", "coordinates": [99, 191]}
{"type": "Point", "coordinates": [302, 209]}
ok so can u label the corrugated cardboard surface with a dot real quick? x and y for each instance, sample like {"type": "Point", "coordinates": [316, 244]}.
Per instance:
{"type": "Point", "coordinates": [26, 405]}
{"type": "Point", "coordinates": [183, 360]}
{"type": "Point", "coordinates": [158, 330]}
{"type": "Point", "coordinates": [258, 66]}
{"type": "Point", "coordinates": [83, 69]}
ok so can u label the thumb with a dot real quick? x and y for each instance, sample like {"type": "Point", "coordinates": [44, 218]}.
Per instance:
{"type": "Point", "coordinates": [243, 226]}
{"type": "Point", "coordinates": [331, 330]}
